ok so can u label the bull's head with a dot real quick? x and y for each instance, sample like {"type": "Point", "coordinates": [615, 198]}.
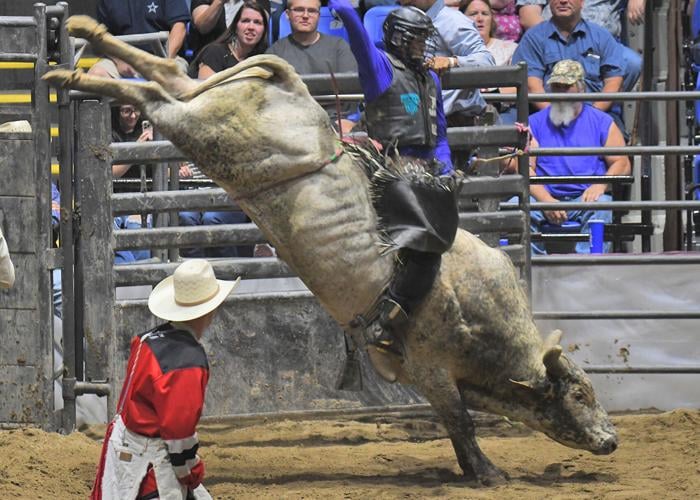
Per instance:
{"type": "Point", "coordinates": [562, 404]}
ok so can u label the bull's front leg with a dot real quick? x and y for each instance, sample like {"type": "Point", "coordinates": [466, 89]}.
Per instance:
{"type": "Point", "coordinates": [137, 93]}
{"type": "Point", "coordinates": [450, 408]}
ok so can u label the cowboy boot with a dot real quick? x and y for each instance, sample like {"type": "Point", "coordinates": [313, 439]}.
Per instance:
{"type": "Point", "coordinates": [383, 332]}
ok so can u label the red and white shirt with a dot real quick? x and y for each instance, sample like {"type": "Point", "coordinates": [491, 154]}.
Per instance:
{"type": "Point", "coordinates": [163, 397]}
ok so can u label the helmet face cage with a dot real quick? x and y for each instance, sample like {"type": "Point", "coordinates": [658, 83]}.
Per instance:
{"type": "Point", "coordinates": [410, 37]}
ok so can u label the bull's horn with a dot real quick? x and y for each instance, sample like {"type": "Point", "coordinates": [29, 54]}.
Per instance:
{"type": "Point", "coordinates": [553, 361]}
{"type": "Point", "coordinates": [552, 339]}
{"type": "Point", "coordinates": [525, 384]}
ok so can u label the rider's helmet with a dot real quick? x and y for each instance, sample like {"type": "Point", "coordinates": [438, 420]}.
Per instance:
{"type": "Point", "coordinates": [408, 33]}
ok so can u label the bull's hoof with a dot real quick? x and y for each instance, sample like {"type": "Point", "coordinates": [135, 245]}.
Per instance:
{"type": "Point", "coordinates": [85, 27]}
{"type": "Point", "coordinates": [484, 473]}
{"type": "Point", "coordinates": [492, 476]}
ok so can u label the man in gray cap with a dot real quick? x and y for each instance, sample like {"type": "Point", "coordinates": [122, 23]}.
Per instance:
{"type": "Point", "coordinates": [572, 124]}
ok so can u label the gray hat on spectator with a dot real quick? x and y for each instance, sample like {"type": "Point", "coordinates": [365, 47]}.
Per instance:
{"type": "Point", "coordinates": [567, 72]}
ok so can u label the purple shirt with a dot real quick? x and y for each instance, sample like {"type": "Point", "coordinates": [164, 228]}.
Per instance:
{"type": "Point", "coordinates": [589, 129]}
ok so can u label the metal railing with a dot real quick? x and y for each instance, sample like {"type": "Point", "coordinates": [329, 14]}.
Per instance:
{"type": "Point", "coordinates": [164, 151]}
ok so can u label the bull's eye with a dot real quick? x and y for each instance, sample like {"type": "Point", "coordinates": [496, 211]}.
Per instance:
{"type": "Point", "coordinates": [579, 397]}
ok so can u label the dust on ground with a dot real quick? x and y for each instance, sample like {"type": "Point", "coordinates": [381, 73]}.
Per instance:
{"type": "Point", "coordinates": [377, 457]}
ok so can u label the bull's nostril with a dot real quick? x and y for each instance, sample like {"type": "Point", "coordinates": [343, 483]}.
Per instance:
{"type": "Point", "coordinates": [609, 446]}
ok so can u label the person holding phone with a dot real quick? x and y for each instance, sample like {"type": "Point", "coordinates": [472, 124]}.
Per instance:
{"type": "Point", "coordinates": [129, 126]}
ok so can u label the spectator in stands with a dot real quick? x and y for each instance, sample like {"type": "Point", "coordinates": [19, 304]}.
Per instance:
{"type": "Point", "coordinates": [573, 124]}
{"type": "Point", "coordinates": [505, 15]}
{"type": "Point", "coordinates": [215, 219]}
{"type": "Point", "coordinates": [246, 36]}
{"type": "Point", "coordinates": [55, 228]}
{"type": "Point", "coordinates": [150, 447]}
{"type": "Point", "coordinates": [128, 17]}
{"type": "Point", "coordinates": [128, 126]}
{"type": "Point", "coordinates": [210, 19]}
{"type": "Point", "coordinates": [7, 269]}
{"type": "Point", "coordinates": [506, 18]}
{"type": "Point", "coordinates": [404, 110]}
{"type": "Point", "coordinates": [310, 51]}
{"type": "Point", "coordinates": [606, 13]}
{"type": "Point", "coordinates": [458, 44]}
{"type": "Point", "coordinates": [481, 12]}
{"type": "Point", "coordinates": [608, 65]}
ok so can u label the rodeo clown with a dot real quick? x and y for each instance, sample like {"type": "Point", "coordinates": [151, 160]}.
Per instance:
{"type": "Point", "coordinates": [150, 448]}
{"type": "Point", "coordinates": [404, 112]}
{"type": "Point", "coordinates": [7, 270]}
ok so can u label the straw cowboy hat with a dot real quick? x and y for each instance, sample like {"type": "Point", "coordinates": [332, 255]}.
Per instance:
{"type": "Point", "coordinates": [191, 292]}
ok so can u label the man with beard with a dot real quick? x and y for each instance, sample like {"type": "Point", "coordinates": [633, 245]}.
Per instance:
{"type": "Point", "coordinates": [607, 65]}
{"type": "Point", "coordinates": [572, 124]}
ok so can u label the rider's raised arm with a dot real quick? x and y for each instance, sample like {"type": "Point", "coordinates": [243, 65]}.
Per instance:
{"type": "Point", "coordinates": [373, 65]}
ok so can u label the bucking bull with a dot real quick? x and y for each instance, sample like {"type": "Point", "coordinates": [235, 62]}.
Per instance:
{"type": "Point", "coordinates": [472, 343]}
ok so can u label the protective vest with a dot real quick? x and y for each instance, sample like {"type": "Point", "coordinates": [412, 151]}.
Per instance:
{"type": "Point", "coordinates": [407, 111]}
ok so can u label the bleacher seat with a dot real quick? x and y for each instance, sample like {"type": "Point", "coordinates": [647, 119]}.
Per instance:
{"type": "Point", "coordinates": [374, 21]}
{"type": "Point", "coordinates": [328, 24]}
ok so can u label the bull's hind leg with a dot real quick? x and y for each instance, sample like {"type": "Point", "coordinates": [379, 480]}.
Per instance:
{"type": "Point", "coordinates": [164, 71]}
{"type": "Point", "coordinates": [136, 93]}
{"type": "Point", "coordinates": [445, 399]}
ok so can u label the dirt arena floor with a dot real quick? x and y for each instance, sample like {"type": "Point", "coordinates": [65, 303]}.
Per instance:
{"type": "Point", "coordinates": [389, 457]}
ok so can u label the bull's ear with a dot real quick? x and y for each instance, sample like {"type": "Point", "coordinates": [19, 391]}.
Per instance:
{"type": "Point", "coordinates": [523, 390]}
{"type": "Point", "coordinates": [553, 361]}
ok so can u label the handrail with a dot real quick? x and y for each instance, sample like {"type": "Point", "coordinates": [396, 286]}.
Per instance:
{"type": "Point", "coordinates": [610, 205]}
{"type": "Point", "coordinates": [620, 151]}
{"type": "Point", "coordinates": [582, 179]}
{"type": "Point", "coordinates": [137, 38]}
{"type": "Point", "coordinates": [166, 151]}
{"type": "Point", "coordinates": [600, 96]}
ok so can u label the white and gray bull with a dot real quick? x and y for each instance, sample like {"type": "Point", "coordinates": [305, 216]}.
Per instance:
{"type": "Point", "coordinates": [472, 343]}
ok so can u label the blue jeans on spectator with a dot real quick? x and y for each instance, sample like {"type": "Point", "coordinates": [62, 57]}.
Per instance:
{"type": "Point", "coordinates": [509, 116]}
{"type": "Point", "coordinates": [215, 218]}
{"type": "Point", "coordinates": [57, 293]}
{"type": "Point", "coordinates": [537, 219]}
{"type": "Point", "coordinates": [632, 63]}
{"type": "Point", "coordinates": [129, 256]}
